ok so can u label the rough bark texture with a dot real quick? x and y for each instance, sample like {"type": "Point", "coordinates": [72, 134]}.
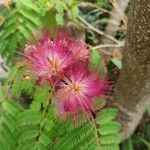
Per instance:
{"type": "Point", "coordinates": [133, 86]}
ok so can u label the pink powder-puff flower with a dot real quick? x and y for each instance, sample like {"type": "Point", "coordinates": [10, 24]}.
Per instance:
{"type": "Point", "coordinates": [80, 51]}
{"type": "Point", "coordinates": [47, 59]}
{"type": "Point", "coordinates": [76, 92]}
{"type": "Point", "coordinates": [63, 39]}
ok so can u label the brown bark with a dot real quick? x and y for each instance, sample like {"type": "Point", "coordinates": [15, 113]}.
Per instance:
{"type": "Point", "coordinates": [133, 87]}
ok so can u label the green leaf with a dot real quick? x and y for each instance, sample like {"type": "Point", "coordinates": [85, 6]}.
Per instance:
{"type": "Point", "coordinates": [110, 128]}
{"type": "Point", "coordinates": [41, 96]}
{"type": "Point", "coordinates": [59, 19]}
{"type": "Point", "coordinates": [107, 115]}
{"type": "Point", "coordinates": [127, 144]}
{"type": "Point", "coordinates": [33, 145]}
{"type": "Point", "coordinates": [12, 108]}
{"type": "Point", "coordinates": [9, 121]}
{"type": "Point", "coordinates": [145, 142]}
{"type": "Point", "coordinates": [45, 139]}
{"type": "Point", "coordinates": [110, 139]}
{"type": "Point", "coordinates": [110, 147]}
{"type": "Point", "coordinates": [16, 87]}
{"type": "Point", "coordinates": [19, 25]}
{"type": "Point", "coordinates": [29, 117]}
{"type": "Point", "coordinates": [117, 62]}
{"type": "Point", "coordinates": [28, 135]}
{"type": "Point", "coordinates": [97, 61]}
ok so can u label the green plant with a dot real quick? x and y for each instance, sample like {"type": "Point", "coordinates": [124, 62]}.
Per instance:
{"type": "Point", "coordinates": [28, 120]}
{"type": "Point", "coordinates": [28, 129]}
{"type": "Point", "coordinates": [37, 127]}
{"type": "Point", "coordinates": [104, 4]}
{"type": "Point", "coordinates": [24, 17]}
{"type": "Point", "coordinates": [20, 22]}
{"type": "Point", "coordinates": [64, 5]}
{"type": "Point", "coordinates": [128, 144]}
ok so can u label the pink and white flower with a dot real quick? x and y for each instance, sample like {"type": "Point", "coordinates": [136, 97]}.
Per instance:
{"type": "Point", "coordinates": [76, 92]}
{"type": "Point", "coordinates": [80, 51]}
{"type": "Point", "coordinates": [64, 63]}
{"type": "Point", "coordinates": [47, 59]}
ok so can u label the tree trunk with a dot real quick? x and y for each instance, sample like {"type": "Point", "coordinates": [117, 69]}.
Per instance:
{"type": "Point", "coordinates": [132, 92]}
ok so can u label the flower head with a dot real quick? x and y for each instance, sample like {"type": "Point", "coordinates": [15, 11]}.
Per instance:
{"type": "Point", "coordinates": [48, 59]}
{"type": "Point", "coordinates": [77, 91]}
{"type": "Point", "coordinates": [62, 39]}
{"type": "Point", "coordinates": [80, 51]}
{"type": "Point", "coordinates": [64, 63]}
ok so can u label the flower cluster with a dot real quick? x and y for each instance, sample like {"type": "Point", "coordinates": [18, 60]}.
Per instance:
{"type": "Point", "coordinates": [63, 62]}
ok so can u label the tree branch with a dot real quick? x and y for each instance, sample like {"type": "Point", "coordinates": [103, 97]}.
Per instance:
{"type": "Point", "coordinates": [108, 46]}
{"type": "Point", "coordinates": [98, 31]}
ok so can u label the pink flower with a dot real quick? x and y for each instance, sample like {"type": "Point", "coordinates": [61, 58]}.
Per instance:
{"type": "Point", "coordinates": [62, 39]}
{"type": "Point", "coordinates": [48, 59]}
{"type": "Point", "coordinates": [80, 51]}
{"type": "Point", "coordinates": [76, 92]}
{"type": "Point", "coordinates": [63, 63]}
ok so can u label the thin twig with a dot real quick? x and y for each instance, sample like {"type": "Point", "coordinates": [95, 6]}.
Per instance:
{"type": "Point", "coordinates": [4, 67]}
{"type": "Point", "coordinates": [96, 131]}
{"type": "Point", "coordinates": [107, 46]}
{"type": "Point", "coordinates": [9, 82]}
{"type": "Point", "coordinates": [48, 102]}
{"type": "Point", "coordinates": [97, 30]}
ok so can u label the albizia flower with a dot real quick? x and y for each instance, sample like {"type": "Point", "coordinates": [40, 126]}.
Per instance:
{"type": "Point", "coordinates": [80, 51]}
{"type": "Point", "coordinates": [76, 92]}
{"type": "Point", "coordinates": [63, 39]}
{"type": "Point", "coordinates": [64, 62]}
{"type": "Point", "coordinates": [50, 57]}
{"type": "Point", "coordinates": [47, 59]}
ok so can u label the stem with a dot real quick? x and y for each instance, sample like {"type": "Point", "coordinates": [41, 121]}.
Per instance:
{"type": "Point", "coordinates": [9, 82]}
{"type": "Point", "coordinates": [44, 111]}
{"type": "Point", "coordinates": [98, 31]}
{"type": "Point", "coordinates": [108, 46]}
{"type": "Point", "coordinates": [96, 131]}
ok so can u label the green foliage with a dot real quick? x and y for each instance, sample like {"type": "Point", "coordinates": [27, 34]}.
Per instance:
{"type": "Point", "coordinates": [8, 127]}
{"type": "Point", "coordinates": [117, 62]}
{"type": "Point", "coordinates": [27, 128]}
{"type": "Point", "coordinates": [128, 144]}
{"type": "Point", "coordinates": [22, 84]}
{"type": "Point", "coordinates": [109, 129]}
{"type": "Point", "coordinates": [25, 17]}
{"type": "Point", "coordinates": [97, 61]}
{"type": "Point", "coordinates": [141, 138]}
{"type": "Point", "coordinates": [104, 4]}
{"type": "Point", "coordinates": [101, 133]}
{"type": "Point", "coordinates": [19, 25]}
{"type": "Point", "coordinates": [38, 128]}
{"type": "Point", "coordinates": [61, 6]}
{"type": "Point", "coordinates": [145, 142]}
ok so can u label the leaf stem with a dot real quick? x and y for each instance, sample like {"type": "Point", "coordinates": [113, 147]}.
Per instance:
{"type": "Point", "coordinates": [96, 132]}
{"type": "Point", "coordinates": [44, 111]}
